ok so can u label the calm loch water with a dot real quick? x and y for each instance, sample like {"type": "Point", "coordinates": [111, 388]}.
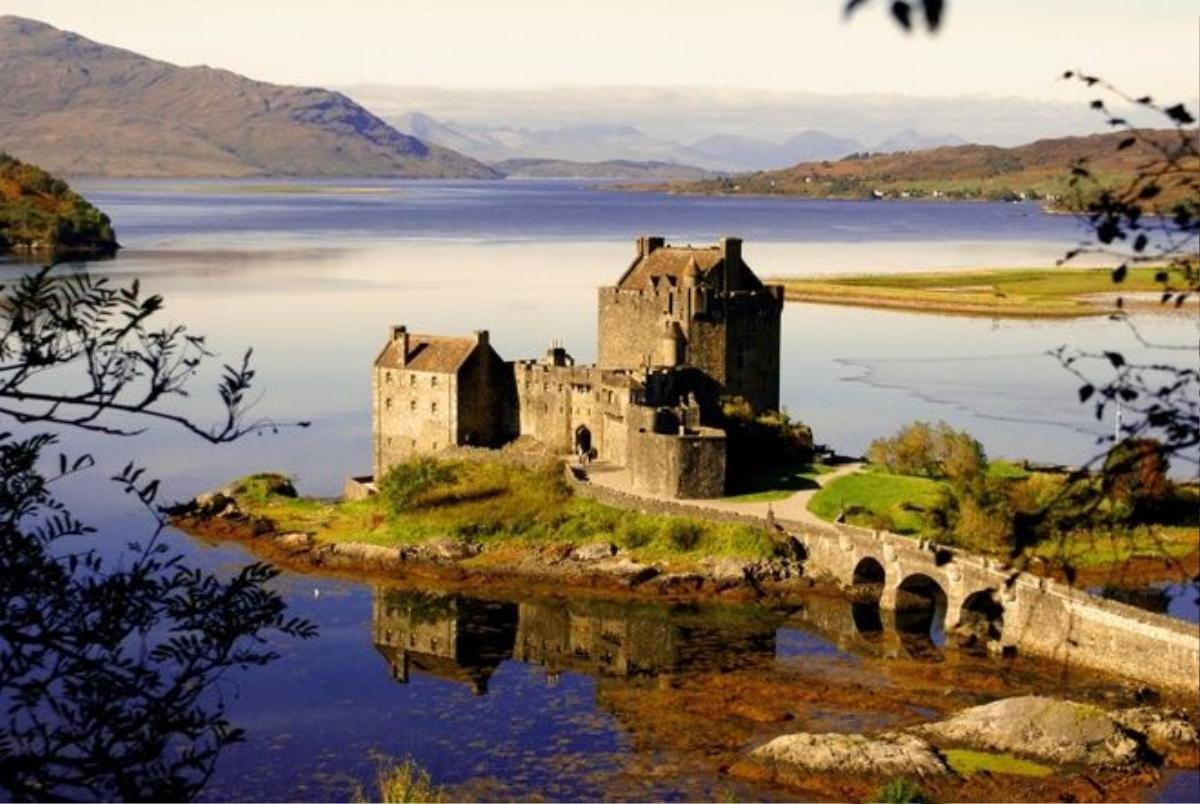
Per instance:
{"type": "Point", "coordinates": [564, 698]}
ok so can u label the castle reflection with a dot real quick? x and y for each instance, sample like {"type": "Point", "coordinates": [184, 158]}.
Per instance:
{"type": "Point", "coordinates": [462, 638]}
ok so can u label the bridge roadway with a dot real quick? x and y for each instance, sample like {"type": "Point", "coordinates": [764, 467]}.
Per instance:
{"type": "Point", "coordinates": [1013, 611]}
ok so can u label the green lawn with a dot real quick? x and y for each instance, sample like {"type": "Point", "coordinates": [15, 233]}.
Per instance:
{"type": "Point", "coordinates": [878, 499]}
{"type": "Point", "coordinates": [781, 484]}
{"type": "Point", "coordinates": [495, 503]}
{"type": "Point", "coordinates": [967, 763]}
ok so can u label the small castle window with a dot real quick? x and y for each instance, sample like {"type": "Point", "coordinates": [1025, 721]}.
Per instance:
{"type": "Point", "coordinates": [387, 376]}
{"type": "Point", "coordinates": [412, 404]}
{"type": "Point", "coordinates": [387, 403]}
{"type": "Point", "coordinates": [433, 407]}
{"type": "Point", "coordinates": [412, 379]}
{"type": "Point", "coordinates": [433, 381]}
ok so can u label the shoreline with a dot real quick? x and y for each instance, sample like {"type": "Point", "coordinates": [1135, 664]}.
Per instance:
{"type": "Point", "coordinates": [1013, 292]}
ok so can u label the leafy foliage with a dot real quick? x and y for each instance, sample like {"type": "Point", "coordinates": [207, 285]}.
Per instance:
{"type": "Point", "coordinates": [110, 671]}
{"type": "Point", "coordinates": [41, 213]}
{"type": "Point", "coordinates": [403, 782]}
{"type": "Point", "coordinates": [401, 487]}
{"type": "Point", "coordinates": [937, 451]}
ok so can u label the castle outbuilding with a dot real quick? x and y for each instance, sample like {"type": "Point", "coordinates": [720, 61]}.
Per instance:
{"type": "Point", "coordinates": [682, 329]}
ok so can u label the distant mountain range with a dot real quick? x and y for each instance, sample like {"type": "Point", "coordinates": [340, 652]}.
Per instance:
{"type": "Point", "coordinates": [77, 107]}
{"type": "Point", "coordinates": [608, 169]}
{"type": "Point", "coordinates": [602, 142]}
{"type": "Point", "coordinates": [1037, 170]}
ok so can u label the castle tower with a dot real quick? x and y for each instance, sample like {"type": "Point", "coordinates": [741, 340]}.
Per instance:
{"type": "Point", "coordinates": [700, 308]}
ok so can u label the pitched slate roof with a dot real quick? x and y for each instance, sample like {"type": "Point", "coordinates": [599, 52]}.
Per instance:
{"type": "Point", "coordinates": [440, 354]}
{"type": "Point", "coordinates": [674, 263]}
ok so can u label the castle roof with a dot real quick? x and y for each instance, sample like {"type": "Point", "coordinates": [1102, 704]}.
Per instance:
{"type": "Point", "coordinates": [674, 263]}
{"type": "Point", "coordinates": [440, 354]}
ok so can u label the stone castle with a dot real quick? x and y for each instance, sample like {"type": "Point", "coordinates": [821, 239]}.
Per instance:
{"type": "Point", "coordinates": [681, 330]}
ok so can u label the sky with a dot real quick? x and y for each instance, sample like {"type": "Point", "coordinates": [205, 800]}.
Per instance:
{"type": "Point", "coordinates": [987, 47]}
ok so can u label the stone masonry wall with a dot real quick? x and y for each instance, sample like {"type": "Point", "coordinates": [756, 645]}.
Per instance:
{"type": "Point", "coordinates": [414, 412]}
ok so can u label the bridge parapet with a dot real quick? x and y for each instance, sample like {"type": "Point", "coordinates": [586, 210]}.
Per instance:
{"type": "Point", "coordinates": [1039, 616]}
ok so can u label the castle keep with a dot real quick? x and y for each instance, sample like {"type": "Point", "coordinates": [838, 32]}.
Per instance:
{"type": "Point", "coordinates": [681, 329]}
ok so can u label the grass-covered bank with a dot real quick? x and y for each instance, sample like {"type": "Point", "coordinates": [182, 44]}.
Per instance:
{"type": "Point", "coordinates": [1014, 293]}
{"type": "Point", "coordinates": [497, 505]}
{"type": "Point", "coordinates": [932, 481]}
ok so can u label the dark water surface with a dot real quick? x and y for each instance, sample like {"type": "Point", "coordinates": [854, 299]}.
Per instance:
{"type": "Point", "coordinates": [559, 698]}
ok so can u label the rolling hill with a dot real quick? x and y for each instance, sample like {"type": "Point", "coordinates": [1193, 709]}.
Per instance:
{"type": "Point", "coordinates": [77, 107]}
{"type": "Point", "coordinates": [40, 214]}
{"type": "Point", "coordinates": [1038, 170]}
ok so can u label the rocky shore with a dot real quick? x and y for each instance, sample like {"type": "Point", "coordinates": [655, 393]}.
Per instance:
{"type": "Point", "coordinates": [1029, 736]}
{"type": "Point", "coordinates": [592, 565]}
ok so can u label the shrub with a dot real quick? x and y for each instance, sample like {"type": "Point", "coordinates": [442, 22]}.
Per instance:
{"type": "Point", "coordinates": [634, 532]}
{"type": "Point", "coordinates": [682, 534]}
{"type": "Point", "coordinates": [983, 523]}
{"type": "Point", "coordinates": [403, 783]}
{"type": "Point", "coordinates": [937, 451]}
{"type": "Point", "coordinates": [900, 791]}
{"type": "Point", "coordinates": [402, 486]}
{"type": "Point", "coordinates": [1135, 476]}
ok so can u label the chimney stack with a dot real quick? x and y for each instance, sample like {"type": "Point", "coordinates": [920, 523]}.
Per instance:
{"type": "Point", "coordinates": [400, 336]}
{"type": "Point", "coordinates": [647, 244]}
{"type": "Point", "coordinates": [731, 252]}
{"type": "Point", "coordinates": [481, 337]}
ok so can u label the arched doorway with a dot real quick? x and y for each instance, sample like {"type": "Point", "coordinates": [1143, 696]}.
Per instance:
{"type": "Point", "coordinates": [583, 440]}
{"type": "Point", "coordinates": [980, 621]}
{"type": "Point", "coordinates": [921, 614]}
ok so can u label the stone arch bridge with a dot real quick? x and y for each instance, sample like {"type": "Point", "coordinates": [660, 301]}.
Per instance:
{"type": "Point", "coordinates": [1007, 611]}
{"type": "Point", "coordinates": [933, 587]}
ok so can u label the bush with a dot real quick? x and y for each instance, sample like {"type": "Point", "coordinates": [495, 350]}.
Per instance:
{"type": "Point", "coordinates": [900, 791]}
{"type": "Point", "coordinates": [937, 451]}
{"type": "Point", "coordinates": [984, 524]}
{"type": "Point", "coordinates": [402, 486]}
{"type": "Point", "coordinates": [1135, 477]}
{"type": "Point", "coordinates": [682, 534]}
{"type": "Point", "coordinates": [634, 532]}
{"type": "Point", "coordinates": [403, 783]}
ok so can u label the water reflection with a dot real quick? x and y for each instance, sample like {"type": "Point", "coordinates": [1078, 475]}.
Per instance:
{"type": "Point", "coordinates": [465, 639]}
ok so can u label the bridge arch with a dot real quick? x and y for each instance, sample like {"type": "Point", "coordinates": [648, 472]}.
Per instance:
{"type": "Point", "coordinates": [921, 605]}
{"type": "Point", "coordinates": [868, 580]}
{"type": "Point", "coordinates": [980, 619]}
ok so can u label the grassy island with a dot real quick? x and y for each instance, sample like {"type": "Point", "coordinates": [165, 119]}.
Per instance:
{"type": "Point", "coordinates": [1003, 293]}
{"type": "Point", "coordinates": [498, 505]}
{"type": "Point", "coordinates": [41, 214]}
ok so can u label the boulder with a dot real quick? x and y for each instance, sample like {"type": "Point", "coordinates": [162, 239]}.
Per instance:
{"type": "Point", "coordinates": [1047, 729]}
{"type": "Point", "coordinates": [447, 549]}
{"type": "Point", "coordinates": [294, 542]}
{"type": "Point", "coordinates": [214, 504]}
{"type": "Point", "coordinates": [882, 755]}
{"type": "Point", "coordinates": [679, 582]}
{"type": "Point", "coordinates": [630, 573]}
{"type": "Point", "coordinates": [365, 552]}
{"type": "Point", "coordinates": [594, 551]}
{"type": "Point", "coordinates": [727, 571]}
{"type": "Point", "coordinates": [1165, 732]}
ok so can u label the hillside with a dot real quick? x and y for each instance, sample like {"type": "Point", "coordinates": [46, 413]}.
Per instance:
{"type": "Point", "coordinates": [77, 107]}
{"type": "Point", "coordinates": [40, 214]}
{"type": "Point", "coordinates": [608, 169]}
{"type": "Point", "coordinates": [1038, 170]}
